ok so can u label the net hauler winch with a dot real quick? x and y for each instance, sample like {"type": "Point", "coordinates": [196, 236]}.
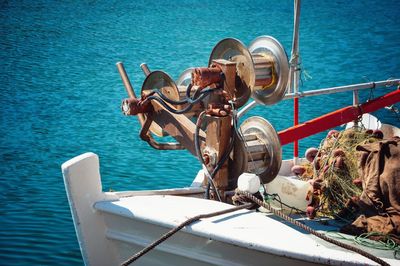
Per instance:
{"type": "Point", "coordinates": [199, 111]}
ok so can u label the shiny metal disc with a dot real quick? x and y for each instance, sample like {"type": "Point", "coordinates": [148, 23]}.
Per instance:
{"type": "Point", "coordinates": [270, 46]}
{"type": "Point", "coordinates": [159, 80]}
{"type": "Point", "coordinates": [185, 78]}
{"type": "Point", "coordinates": [267, 135]}
{"type": "Point", "coordinates": [235, 51]}
{"type": "Point", "coordinates": [183, 82]}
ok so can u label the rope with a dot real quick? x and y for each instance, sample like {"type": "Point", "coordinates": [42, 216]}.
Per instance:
{"type": "Point", "coordinates": [179, 227]}
{"type": "Point", "coordinates": [386, 242]}
{"type": "Point", "coordinates": [312, 231]}
{"type": "Point", "coordinates": [277, 198]}
{"type": "Point", "coordinates": [254, 199]}
{"type": "Point", "coordinates": [375, 240]}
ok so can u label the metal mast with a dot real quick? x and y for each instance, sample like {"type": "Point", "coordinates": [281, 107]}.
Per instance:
{"type": "Point", "coordinates": [294, 76]}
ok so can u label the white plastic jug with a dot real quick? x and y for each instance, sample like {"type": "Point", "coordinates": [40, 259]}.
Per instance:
{"type": "Point", "coordinates": [292, 191]}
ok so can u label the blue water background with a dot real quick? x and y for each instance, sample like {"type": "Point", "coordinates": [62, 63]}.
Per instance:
{"type": "Point", "coordinates": [60, 92]}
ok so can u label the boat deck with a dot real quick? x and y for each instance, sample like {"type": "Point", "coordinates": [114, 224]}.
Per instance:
{"type": "Point", "coordinates": [255, 230]}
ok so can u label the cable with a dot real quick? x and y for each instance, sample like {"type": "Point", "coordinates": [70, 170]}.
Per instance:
{"type": "Point", "coordinates": [220, 163]}
{"type": "Point", "coordinates": [239, 133]}
{"type": "Point", "coordinates": [200, 156]}
{"type": "Point", "coordinates": [163, 100]}
{"type": "Point", "coordinates": [277, 198]}
{"type": "Point", "coordinates": [188, 99]}
{"type": "Point", "coordinates": [173, 110]}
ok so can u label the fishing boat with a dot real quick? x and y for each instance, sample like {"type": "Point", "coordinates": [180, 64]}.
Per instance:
{"type": "Point", "coordinates": [222, 218]}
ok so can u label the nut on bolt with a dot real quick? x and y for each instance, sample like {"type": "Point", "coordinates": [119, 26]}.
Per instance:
{"type": "Point", "coordinates": [210, 157]}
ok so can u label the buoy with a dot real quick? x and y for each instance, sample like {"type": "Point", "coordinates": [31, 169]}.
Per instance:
{"type": "Point", "coordinates": [338, 152]}
{"type": "Point", "coordinates": [333, 133]}
{"type": "Point", "coordinates": [310, 211]}
{"type": "Point", "coordinates": [323, 171]}
{"type": "Point", "coordinates": [339, 162]}
{"type": "Point", "coordinates": [298, 169]}
{"type": "Point", "coordinates": [311, 153]}
{"type": "Point", "coordinates": [357, 182]}
{"type": "Point", "coordinates": [316, 184]}
{"type": "Point", "coordinates": [317, 163]}
{"type": "Point", "coordinates": [377, 133]}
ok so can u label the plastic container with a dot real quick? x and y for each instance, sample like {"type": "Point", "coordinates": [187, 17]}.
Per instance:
{"type": "Point", "coordinates": [292, 191]}
{"type": "Point", "coordinates": [249, 182]}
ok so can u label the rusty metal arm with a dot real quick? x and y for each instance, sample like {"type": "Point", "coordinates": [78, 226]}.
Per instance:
{"type": "Point", "coordinates": [146, 136]}
{"type": "Point", "coordinates": [145, 121]}
{"type": "Point", "coordinates": [177, 126]}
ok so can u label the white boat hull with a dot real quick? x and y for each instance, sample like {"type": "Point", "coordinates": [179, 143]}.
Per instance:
{"type": "Point", "coordinates": [130, 236]}
{"type": "Point", "coordinates": [113, 226]}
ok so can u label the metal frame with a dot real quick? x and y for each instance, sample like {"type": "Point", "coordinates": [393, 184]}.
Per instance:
{"type": "Point", "coordinates": [331, 90]}
{"type": "Point", "coordinates": [337, 118]}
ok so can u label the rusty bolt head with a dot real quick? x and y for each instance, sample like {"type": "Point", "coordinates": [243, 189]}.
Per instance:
{"type": "Point", "coordinates": [206, 159]}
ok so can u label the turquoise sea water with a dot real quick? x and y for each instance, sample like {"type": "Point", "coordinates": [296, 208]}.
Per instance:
{"type": "Point", "coordinates": [60, 92]}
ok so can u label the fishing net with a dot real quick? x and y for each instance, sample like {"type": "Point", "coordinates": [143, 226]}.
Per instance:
{"type": "Point", "coordinates": [334, 171]}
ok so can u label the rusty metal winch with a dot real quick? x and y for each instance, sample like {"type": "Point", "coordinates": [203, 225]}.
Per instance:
{"type": "Point", "coordinates": [199, 111]}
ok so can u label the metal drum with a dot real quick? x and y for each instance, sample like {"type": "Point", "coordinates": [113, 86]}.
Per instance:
{"type": "Point", "coordinates": [271, 70]}
{"type": "Point", "coordinates": [261, 150]}
{"type": "Point", "coordinates": [235, 51]}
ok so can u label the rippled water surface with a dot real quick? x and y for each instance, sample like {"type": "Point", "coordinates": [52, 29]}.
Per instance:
{"type": "Point", "coordinates": [60, 92]}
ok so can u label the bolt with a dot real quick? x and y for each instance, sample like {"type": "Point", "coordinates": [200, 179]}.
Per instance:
{"type": "Point", "coordinates": [206, 159]}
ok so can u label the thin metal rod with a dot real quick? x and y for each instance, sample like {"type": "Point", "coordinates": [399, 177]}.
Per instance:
{"type": "Point", "coordinates": [295, 73]}
{"type": "Point", "coordinates": [294, 60]}
{"type": "Point", "coordinates": [125, 80]}
{"type": "Point", "coordinates": [332, 90]}
{"type": "Point", "coordinates": [355, 98]}
{"type": "Point", "coordinates": [355, 103]}
{"type": "Point", "coordinates": [360, 86]}
{"type": "Point", "coordinates": [145, 69]}
{"type": "Point", "coordinates": [128, 87]}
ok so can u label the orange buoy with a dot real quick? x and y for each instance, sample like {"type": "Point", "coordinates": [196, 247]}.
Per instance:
{"type": "Point", "coordinates": [298, 169]}
{"type": "Point", "coordinates": [311, 153]}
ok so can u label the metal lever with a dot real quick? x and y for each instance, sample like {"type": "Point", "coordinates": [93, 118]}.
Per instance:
{"type": "Point", "coordinates": [128, 87]}
{"type": "Point", "coordinates": [145, 121]}
{"type": "Point", "coordinates": [145, 69]}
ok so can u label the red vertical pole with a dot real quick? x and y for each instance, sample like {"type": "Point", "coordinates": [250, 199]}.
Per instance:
{"type": "Point", "coordinates": [296, 122]}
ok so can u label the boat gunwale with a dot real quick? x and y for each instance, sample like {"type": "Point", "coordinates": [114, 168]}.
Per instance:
{"type": "Point", "coordinates": [199, 229]}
